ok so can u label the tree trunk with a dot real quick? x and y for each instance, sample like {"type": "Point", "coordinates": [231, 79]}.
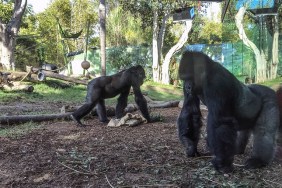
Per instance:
{"type": "Point", "coordinates": [102, 14]}
{"type": "Point", "coordinates": [175, 48]}
{"type": "Point", "coordinates": [8, 34]}
{"type": "Point", "coordinates": [156, 54]}
{"type": "Point", "coordinates": [8, 48]}
{"type": "Point", "coordinates": [259, 55]}
{"type": "Point", "coordinates": [275, 50]}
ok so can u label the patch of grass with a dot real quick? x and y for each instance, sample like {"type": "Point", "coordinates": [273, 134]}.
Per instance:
{"type": "Point", "coordinates": [18, 130]}
{"type": "Point", "coordinates": [162, 92]}
{"type": "Point", "coordinates": [43, 92]}
{"type": "Point", "coordinates": [273, 83]}
{"type": "Point", "coordinates": [154, 91]}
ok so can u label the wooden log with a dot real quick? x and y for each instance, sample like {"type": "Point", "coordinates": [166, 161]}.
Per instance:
{"type": "Point", "coordinates": [67, 111]}
{"type": "Point", "coordinates": [163, 104]}
{"type": "Point", "coordinates": [32, 76]}
{"type": "Point", "coordinates": [59, 76]}
{"type": "Point", "coordinates": [18, 76]}
{"type": "Point", "coordinates": [26, 88]}
{"type": "Point", "coordinates": [35, 118]}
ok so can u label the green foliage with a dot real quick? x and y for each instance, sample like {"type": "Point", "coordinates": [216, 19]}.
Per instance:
{"type": "Point", "coordinates": [6, 11]}
{"type": "Point", "coordinates": [173, 68]}
{"type": "Point", "coordinates": [123, 28]}
{"type": "Point", "coordinates": [161, 92]}
{"type": "Point", "coordinates": [43, 92]}
{"type": "Point", "coordinates": [229, 32]}
{"type": "Point", "coordinates": [73, 16]}
{"type": "Point", "coordinates": [26, 53]}
{"type": "Point", "coordinates": [126, 56]}
{"type": "Point", "coordinates": [211, 32]}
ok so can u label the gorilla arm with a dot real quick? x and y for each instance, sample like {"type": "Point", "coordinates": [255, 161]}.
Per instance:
{"type": "Point", "coordinates": [141, 102]}
{"type": "Point", "coordinates": [189, 122]}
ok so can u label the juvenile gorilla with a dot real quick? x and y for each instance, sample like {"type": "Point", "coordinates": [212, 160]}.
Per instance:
{"type": "Point", "coordinates": [105, 87]}
{"type": "Point", "coordinates": [234, 112]}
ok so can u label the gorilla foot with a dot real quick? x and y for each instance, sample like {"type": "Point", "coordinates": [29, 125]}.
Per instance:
{"type": "Point", "coordinates": [105, 121]}
{"type": "Point", "coordinates": [224, 169]}
{"type": "Point", "coordinates": [192, 153]}
{"type": "Point", "coordinates": [78, 122]}
{"type": "Point", "coordinates": [253, 163]}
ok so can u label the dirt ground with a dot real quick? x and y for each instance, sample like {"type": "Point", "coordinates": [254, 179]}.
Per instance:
{"type": "Point", "coordinates": [59, 154]}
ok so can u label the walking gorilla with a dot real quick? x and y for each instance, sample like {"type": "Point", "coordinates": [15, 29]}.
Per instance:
{"type": "Point", "coordinates": [234, 112]}
{"type": "Point", "coordinates": [105, 87]}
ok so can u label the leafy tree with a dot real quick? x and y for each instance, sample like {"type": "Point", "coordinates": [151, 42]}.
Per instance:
{"type": "Point", "coordinates": [155, 13]}
{"type": "Point", "coordinates": [26, 41]}
{"type": "Point", "coordinates": [123, 29]}
{"type": "Point", "coordinates": [211, 32]}
{"type": "Point", "coordinates": [6, 11]}
{"type": "Point", "coordinates": [266, 56]}
{"type": "Point", "coordinates": [9, 28]}
{"type": "Point", "coordinates": [73, 17]}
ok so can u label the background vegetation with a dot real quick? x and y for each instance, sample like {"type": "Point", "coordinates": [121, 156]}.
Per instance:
{"type": "Point", "coordinates": [40, 31]}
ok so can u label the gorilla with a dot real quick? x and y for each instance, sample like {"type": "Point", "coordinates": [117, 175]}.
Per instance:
{"type": "Point", "coordinates": [235, 111]}
{"type": "Point", "coordinates": [105, 87]}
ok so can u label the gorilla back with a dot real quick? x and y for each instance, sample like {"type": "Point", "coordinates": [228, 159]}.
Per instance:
{"type": "Point", "coordinates": [234, 111]}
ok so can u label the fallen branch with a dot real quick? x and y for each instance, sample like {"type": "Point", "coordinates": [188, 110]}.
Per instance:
{"type": "Point", "coordinates": [66, 112]}
{"type": "Point", "coordinates": [36, 118]}
{"type": "Point", "coordinates": [162, 104]}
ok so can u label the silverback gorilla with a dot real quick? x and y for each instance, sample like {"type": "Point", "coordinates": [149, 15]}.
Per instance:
{"type": "Point", "coordinates": [234, 112]}
{"type": "Point", "coordinates": [105, 87]}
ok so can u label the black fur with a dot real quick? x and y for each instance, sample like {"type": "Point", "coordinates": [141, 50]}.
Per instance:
{"type": "Point", "coordinates": [105, 87]}
{"type": "Point", "coordinates": [234, 111]}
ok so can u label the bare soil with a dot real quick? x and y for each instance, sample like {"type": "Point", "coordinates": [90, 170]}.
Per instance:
{"type": "Point", "coordinates": [59, 154]}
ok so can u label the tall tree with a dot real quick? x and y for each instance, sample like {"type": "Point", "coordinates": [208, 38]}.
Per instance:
{"type": "Point", "coordinates": [123, 29]}
{"type": "Point", "coordinates": [155, 13]}
{"type": "Point", "coordinates": [173, 50]}
{"type": "Point", "coordinates": [8, 34]}
{"type": "Point", "coordinates": [73, 17]}
{"type": "Point", "coordinates": [102, 15]}
{"type": "Point", "coordinates": [266, 66]}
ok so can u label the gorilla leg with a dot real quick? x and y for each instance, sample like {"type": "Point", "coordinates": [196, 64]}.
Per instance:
{"type": "Point", "coordinates": [101, 111]}
{"type": "Point", "coordinates": [242, 141]}
{"type": "Point", "coordinates": [91, 100]}
{"type": "Point", "coordinates": [265, 129]}
{"type": "Point", "coordinates": [81, 112]}
{"type": "Point", "coordinates": [189, 133]}
{"type": "Point", "coordinates": [264, 137]}
{"type": "Point", "coordinates": [221, 139]}
{"type": "Point", "coordinates": [122, 103]}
